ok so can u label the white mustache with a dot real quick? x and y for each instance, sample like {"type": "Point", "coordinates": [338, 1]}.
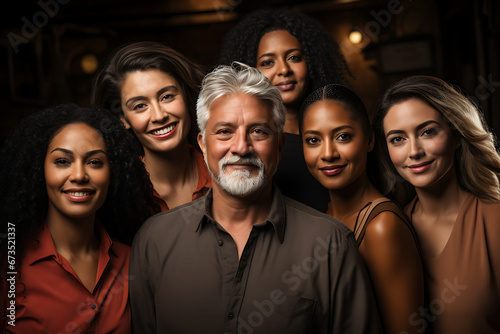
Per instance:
{"type": "Point", "coordinates": [236, 159]}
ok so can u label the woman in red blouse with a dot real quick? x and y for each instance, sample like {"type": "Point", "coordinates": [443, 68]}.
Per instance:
{"type": "Point", "coordinates": [73, 194]}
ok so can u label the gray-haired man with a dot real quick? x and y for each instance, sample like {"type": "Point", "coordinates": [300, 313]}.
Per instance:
{"type": "Point", "coordinates": [245, 259]}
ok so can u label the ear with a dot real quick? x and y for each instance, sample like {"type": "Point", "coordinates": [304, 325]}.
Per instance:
{"type": "Point", "coordinates": [202, 145]}
{"type": "Point", "coordinates": [125, 122]}
{"type": "Point", "coordinates": [371, 142]}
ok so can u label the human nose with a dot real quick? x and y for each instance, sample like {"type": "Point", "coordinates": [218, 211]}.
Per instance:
{"type": "Point", "coordinates": [79, 173]}
{"type": "Point", "coordinates": [416, 149]}
{"type": "Point", "coordinates": [328, 151]}
{"type": "Point", "coordinates": [241, 144]}
{"type": "Point", "coordinates": [158, 114]}
{"type": "Point", "coordinates": [284, 68]}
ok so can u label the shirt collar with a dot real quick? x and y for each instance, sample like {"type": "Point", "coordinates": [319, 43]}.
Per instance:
{"type": "Point", "coordinates": [43, 246]}
{"type": "Point", "coordinates": [276, 216]}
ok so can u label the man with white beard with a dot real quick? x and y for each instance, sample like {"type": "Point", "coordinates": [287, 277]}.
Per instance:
{"type": "Point", "coordinates": [244, 258]}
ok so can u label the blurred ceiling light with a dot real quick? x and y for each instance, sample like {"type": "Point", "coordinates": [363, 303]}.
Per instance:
{"type": "Point", "coordinates": [355, 36]}
{"type": "Point", "coordinates": [89, 63]}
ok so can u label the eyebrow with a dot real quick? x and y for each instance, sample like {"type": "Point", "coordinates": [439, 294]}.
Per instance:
{"type": "Point", "coordinates": [272, 54]}
{"type": "Point", "coordinates": [219, 124]}
{"type": "Point", "coordinates": [337, 129]}
{"type": "Point", "coordinates": [158, 93]}
{"type": "Point", "coordinates": [423, 125]}
{"type": "Point", "coordinates": [228, 124]}
{"type": "Point", "coordinates": [88, 154]}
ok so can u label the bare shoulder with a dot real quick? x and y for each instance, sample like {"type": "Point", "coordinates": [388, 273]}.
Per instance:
{"type": "Point", "coordinates": [387, 235]}
{"type": "Point", "coordinates": [386, 226]}
{"type": "Point", "coordinates": [389, 244]}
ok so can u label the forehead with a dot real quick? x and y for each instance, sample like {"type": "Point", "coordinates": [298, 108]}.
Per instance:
{"type": "Point", "coordinates": [147, 79]}
{"type": "Point", "coordinates": [239, 108]}
{"type": "Point", "coordinates": [410, 113]}
{"type": "Point", "coordinates": [78, 135]}
{"type": "Point", "coordinates": [330, 110]}
{"type": "Point", "coordinates": [278, 39]}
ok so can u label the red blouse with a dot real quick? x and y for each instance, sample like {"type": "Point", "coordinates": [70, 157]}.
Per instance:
{"type": "Point", "coordinates": [50, 298]}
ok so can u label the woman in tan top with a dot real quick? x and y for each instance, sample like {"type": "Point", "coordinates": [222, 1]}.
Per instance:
{"type": "Point", "coordinates": [436, 140]}
{"type": "Point", "coordinates": [337, 138]}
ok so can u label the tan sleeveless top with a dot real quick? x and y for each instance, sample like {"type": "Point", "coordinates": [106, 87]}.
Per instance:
{"type": "Point", "coordinates": [463, 281]}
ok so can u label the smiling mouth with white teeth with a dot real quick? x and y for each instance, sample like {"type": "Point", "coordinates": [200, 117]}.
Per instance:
{"type": "Point", "coordinates": [164, 130]}
{"type": "Point", "coordinates": [78, 193]}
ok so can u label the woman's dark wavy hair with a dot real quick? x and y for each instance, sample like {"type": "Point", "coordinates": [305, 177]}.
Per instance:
{"type": "Point", "coordinates": [353, 103]}
{"type": "Point", "coordinates": [142, 56]}
{"type": "Point", "coordinates": [325, 63]}
{"type": "Point", "coordinates": [22, 181]}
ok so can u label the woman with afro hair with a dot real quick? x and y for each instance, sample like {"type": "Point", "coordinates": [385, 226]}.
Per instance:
{"type": "Point", "coordinates": [297, 55]}
{"type": "Point", "coordinates": [73, 195]}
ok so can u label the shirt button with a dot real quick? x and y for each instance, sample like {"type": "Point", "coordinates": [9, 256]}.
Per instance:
{"type": "Point", "coordinates": [93, 306]}
{"type": "Point", "coordinates": [230, 316]}
{"type": "Point", "coordinates": [220, 242]}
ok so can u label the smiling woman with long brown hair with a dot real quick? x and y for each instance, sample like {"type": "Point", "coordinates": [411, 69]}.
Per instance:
{"type": "Point", "coordinates": [435, 147]}
{"type": "Point", "coordinates": [153, 89]}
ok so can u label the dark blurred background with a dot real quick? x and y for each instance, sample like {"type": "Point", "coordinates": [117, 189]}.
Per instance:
{"type": "Point", "coordinates": [50, 49]}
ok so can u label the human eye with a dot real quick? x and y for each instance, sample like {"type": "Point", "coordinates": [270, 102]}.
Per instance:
{"type": "Point", "coordinates": [429, 132]}
{"type": "Point", "coordinates": [344, 137]}
{"type": "Point", "coordinates": [260, 133]}
{"type": "Point", "coordinates": [62, 162]}
{"type": "Point", "coordinates": [96, 163]}
{"type": "Point", "coordinates": [295, 58]}
{"type": "Point", "coordinates": [396, 140]}
{"type": "Point", "coordinates": [223, 133]}
{"type": "Point", "coordinates": [266, 63]}
{"type": "Point", "coordinates": [312, 141]}
{"type": "Point", "coordinates": [167, 97]}
{"type": "Point", "coordinates": [139, 106]}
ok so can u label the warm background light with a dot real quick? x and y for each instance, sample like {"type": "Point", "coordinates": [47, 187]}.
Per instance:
{"type": "Point", "coordinates": [355, 37]}
{"type": "Point", "coordinates": [89, 63]}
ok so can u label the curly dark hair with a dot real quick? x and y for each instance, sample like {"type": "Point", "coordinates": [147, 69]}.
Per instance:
{"type": "Point", "coordinates": [141, 56]}
{"type": "Point", "coordinates": [325, 63]}
{"type": "Point", "coordinates": [22, 182]}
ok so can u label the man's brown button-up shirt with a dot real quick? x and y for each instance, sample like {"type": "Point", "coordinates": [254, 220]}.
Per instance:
{"type": "Point", "coordinates": [300, 272]}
